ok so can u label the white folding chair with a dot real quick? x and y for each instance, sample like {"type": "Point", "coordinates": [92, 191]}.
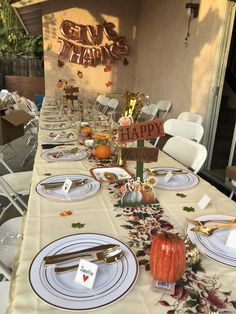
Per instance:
{"type": "Point", "coordinates": [190, 130]}
{"type": "Point", "coordinates": [13, 186]}
{"type": "Point", "coordinates": [10, 228]}
{"type": "Point", "coordinates": [233, 183]}
{"type": "Point", "coordinates": [101, 102]}
{"type": "Point", "coordinates": [111, 105]}
{"type": "Point", "coordinates": [150, 111]}
{"type": "Point", "coordinates": [164, 107]}
{"type": "Point", "coordinates": [191, 117]}
{"type": "Point", "coordinates": [189, 153]}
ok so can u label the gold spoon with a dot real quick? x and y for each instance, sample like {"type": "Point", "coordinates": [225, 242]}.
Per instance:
{"type": "Point", "coordinates": [209, 230]}
{"type": "Point", "coordinates": [203, 222]}
{"type": "Point", "coordinates": [107, 257]}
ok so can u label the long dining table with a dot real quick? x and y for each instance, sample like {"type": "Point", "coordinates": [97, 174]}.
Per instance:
{"type": "Point", "coordinates": [207, 287]}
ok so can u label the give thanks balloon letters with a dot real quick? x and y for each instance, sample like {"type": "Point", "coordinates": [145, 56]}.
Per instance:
{"type": "Point", "coordinates": [82, 44]}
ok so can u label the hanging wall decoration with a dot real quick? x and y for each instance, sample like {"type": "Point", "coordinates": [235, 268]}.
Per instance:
{"type": "Point", "coordinates": [82, 44]}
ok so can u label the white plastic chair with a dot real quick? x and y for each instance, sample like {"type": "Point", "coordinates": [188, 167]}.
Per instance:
{"type": "Point", "coordinates": [191, 117]}
{"type": "Point", "coordinates": [189, 153]}
{"type": "Point", "coordinates": [13, 186]}
{"type": "Point", "coordinates": [13, 227]}
{"type": "Point", "coordinates": [101, 102]}
{"type": "Point", "coordinates": [164, 106]}
{"type": "Point", "coordinates": [233, 182]}
{"type": "Point", "coordinates": [111, 105]}
{"type": "Point", "coordinates": [150, 111]}
{"type": "Point", "coordinates": [190, 130]}
{"type": "Point", "coordinates": [16, 97]}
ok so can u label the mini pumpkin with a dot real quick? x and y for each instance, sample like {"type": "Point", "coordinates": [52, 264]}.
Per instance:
{"type": "Point", "coordinates": [167, 257]}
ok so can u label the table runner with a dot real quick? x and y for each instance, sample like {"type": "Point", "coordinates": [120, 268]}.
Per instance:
{"type": "Point", "coordinates": [45, 222]}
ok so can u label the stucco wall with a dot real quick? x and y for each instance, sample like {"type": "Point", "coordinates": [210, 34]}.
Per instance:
{"type": "Point", "coordinates": [169, 68]}
{"type": "Point", "coordinates": [161, 64]}
{"type": "Point", "coordinates": [122, 13]}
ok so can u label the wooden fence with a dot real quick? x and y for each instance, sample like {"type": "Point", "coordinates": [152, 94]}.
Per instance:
{"type": "Point", "coordinates": [22, 67]}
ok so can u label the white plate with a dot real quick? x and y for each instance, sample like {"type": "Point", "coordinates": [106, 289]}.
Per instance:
{"type": "Point", "coordinates": [100, 173]}
{"type": "Point", "coordinates": [112, 282]}
{"type": "Point", "coordinates": [53, 126]}
{"type": "Point", "coordinates": [177, 181]}
{"type": "Point", "coordinates": [65, 154]}
{"type": "Point", "coordinates": [214, 246]}
{"type": "Point", "coordinates": [55, 119]}
{"type": "Point", "coordinates": [59, 138]}
{"type": "Point", "coordinates": [77, 193]}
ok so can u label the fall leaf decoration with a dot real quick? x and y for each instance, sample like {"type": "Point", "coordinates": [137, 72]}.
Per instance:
{"type": "Point", "coordinates": [181, 195]}
{"type": "Point", "coordinates": [65, 213]}
{"type": "Point", "coordinates": [125, 61]}
{"type": "Point", "coordinates": [80, 74]}
{"type": "Point", "coordinates": [188, 209]}
{"type": "Point", "coordinates": [60, 63]}
{"type": "Point", "coordinates": [107, 68]}
{"type": "Point", "coordinates": [77, 225]}
{"type": "Point", "coordinates": [108, 84]}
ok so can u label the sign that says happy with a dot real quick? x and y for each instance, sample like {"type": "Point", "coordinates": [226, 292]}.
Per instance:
{"type": "Point", "coordinates": [141, 131]}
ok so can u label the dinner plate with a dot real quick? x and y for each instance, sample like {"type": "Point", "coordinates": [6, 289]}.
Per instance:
{"type": "Point", "coordinates": [54, 126]}
{"type": "Point", "coordinates": [64, 154]}
{"type": "Point", "coordinates": [77, 193]}
{"type": "Point", "coordinates": [177, 181]}
{"type": "Point", "coordinates": [113, 281]}
{"type": "Point", "coordinates": [59, 138]}
{"type": "Point", "coordinates": [214, 246]}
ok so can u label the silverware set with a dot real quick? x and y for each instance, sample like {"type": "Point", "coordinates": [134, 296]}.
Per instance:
{"type": "Point", "coordinates": [208, 230]}
{"type": "Point", "coordinates": [108, 253]}
{"type": "Point", "coordinates": [59, 184]}
{"type": "Point", "coordinates": [164, 172]}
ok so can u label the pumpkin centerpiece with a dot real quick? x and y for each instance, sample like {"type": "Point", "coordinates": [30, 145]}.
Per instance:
{"type": "Point", "coordinates": [167, 257]}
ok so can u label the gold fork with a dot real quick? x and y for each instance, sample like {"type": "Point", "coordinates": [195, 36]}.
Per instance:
{"type": "Point", "coordinates": [203, 222]}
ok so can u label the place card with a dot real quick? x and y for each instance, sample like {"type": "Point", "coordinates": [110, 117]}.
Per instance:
{"type": "Point", "coordinates": [231, 240]}
{"type": "Point", "coordinates": [168, 176]}
{"type": "Point", "coordinates": [204, 201]}
{"type": "Point", "coordinates": [66, 186]}
{"type": "Point", "coordinates": [86, 273]}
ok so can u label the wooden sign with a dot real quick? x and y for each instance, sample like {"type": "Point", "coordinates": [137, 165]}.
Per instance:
{"type": "Point", "coordinates": [141, 131]}
{"type": "Point", "coordinates": [70, 90]}
{"type": "Point", "coordinates": [146, 154]}
{"type": "Point", "coordinates": [71, 97]}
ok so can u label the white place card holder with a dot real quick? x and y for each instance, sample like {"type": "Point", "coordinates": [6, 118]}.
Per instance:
{"type": "Point", "coordinates": [66, 186]}
{"type": "Point", "coordinates": [231, 240]}
{"type": "Point", "coordinates": [204, 201]}
{"type": "Point", "coordinates": [86, 273]}
{"type": "Point", "coordinates": [168, 176]}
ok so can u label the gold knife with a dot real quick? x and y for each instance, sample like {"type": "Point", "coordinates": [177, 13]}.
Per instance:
{"type": "Point", "coordinates": [58, 258]}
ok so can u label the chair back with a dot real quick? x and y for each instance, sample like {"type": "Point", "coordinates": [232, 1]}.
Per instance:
{"type": "Point", "coordinates": [4, 292]}
{"type": "Point", "coordinates": [191, 117]}
{"type": "Point", "coordinates": [165, 106]}
{"type": "Point", "coordinates": [190, 130]}
{"type": "Point", "coordinates": [16, 97]}
{"type": "Point", "coordinates": [21, 106]}
{"type": "Point", "coordinates": [150, 111]}
{"type": "Point", "coordinates": [189, 153]}
{"type": "Point", "coordinates": [102, 102]}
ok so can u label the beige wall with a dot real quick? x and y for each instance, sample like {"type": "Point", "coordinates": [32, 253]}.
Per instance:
{"type": "Point", "coordinates": [161, 64]}
{"type": "Point", "coordinates": [167, 67]}
{"type": "Point", "coordinates": [122, 13]}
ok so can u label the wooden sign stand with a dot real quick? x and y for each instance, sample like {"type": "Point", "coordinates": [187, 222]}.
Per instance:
{"type": "Point", "coordinates": [139, 163]}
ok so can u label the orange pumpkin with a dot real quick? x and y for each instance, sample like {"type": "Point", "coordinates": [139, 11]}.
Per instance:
{"type": "Point", "coordinates": [167, 257]}
{"type": "Point", "coordinates": [103, 151]}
